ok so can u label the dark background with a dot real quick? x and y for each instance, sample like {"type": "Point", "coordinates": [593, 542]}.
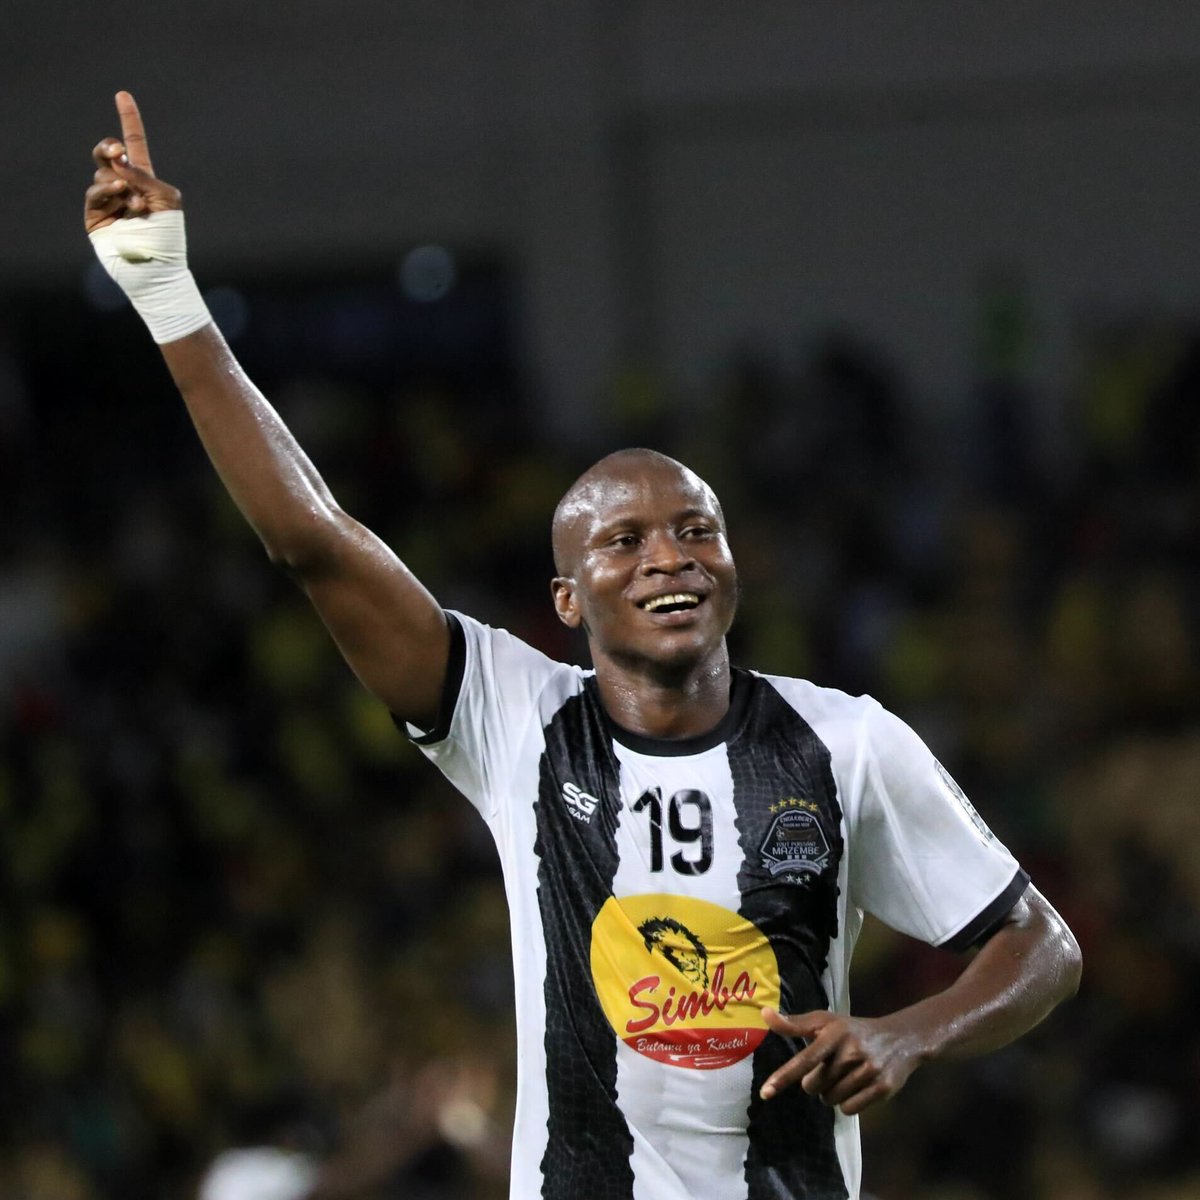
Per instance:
{"type": "Point", "coordinates": [915, 287]}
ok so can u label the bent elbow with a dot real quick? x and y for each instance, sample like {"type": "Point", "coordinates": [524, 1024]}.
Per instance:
{"type": "Point", "coordinates": [1059, 958]}
{"type": "Point", "coordinates": [1072, 964]}
{"type": "Point", "coordinates": [1062, 959]}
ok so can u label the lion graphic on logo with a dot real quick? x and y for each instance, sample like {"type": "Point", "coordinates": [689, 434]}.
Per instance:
{"type": "Point", "coordinates": [678, 945]}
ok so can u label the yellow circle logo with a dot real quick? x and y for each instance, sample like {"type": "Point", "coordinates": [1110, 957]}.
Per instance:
{"type": "Point", "coordinates": [683, 981]}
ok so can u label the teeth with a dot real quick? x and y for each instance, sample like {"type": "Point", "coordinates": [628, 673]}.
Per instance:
{"type": "Point", "coordinates": [676, 598]}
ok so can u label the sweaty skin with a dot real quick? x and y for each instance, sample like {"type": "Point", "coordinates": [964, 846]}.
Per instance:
{"type": "Point", "coordinates": [635, 527]}
{"type": "Point", "coordinates": [1027, 967]}
{"type": "Point", "coordinates": [390, 630]}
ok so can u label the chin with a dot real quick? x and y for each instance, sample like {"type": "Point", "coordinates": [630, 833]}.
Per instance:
{"type": "Point", "coordinates": [674, 654]}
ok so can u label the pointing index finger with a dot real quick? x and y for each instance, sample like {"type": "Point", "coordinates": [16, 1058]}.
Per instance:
{"type": "Point", "coordinates": [133, 133]}
{"type": "Point", "coordinates": [806, 1026]}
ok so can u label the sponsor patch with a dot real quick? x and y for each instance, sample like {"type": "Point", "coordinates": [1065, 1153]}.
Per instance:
{"type": "Point", "coordinates": [580, 804]}
{"type": "Point", "coordinates": [683, 981]}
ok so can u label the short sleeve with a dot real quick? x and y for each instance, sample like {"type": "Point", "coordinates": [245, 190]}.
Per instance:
{"type": "Point", "coordinates": [922, 860]}
{"type": "Point", "coordinates": [493, 685]}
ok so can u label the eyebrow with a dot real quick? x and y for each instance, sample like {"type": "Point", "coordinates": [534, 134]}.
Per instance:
{"type": "Point", "coordinates": [630, 521]}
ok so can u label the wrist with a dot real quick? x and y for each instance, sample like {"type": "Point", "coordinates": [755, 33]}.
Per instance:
{"type": "Point", "coordinates": [147, 258]}
{"type": "Point", "coordinates": [920, 1032]}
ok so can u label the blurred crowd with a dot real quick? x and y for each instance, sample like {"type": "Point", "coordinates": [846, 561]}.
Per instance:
{"type": "Point", "coordinates": [238, 909]}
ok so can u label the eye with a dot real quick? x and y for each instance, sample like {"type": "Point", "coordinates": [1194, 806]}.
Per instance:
{"type": "Point", "coordinates": [623, 541]}
{"type": "Point", "coordinates": [697, 531]}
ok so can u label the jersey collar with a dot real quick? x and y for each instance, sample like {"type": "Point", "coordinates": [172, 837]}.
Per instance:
{"type": "Point", "coordinates": [724, 730]}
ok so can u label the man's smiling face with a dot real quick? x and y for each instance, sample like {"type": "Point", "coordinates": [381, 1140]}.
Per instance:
{"type": "Point", "coordinates": [644, 565]}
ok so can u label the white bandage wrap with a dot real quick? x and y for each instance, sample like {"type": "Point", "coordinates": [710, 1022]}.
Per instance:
{"type": "Point", "coordinates": [147, 256]}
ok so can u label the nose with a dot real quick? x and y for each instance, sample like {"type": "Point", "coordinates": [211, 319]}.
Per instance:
{"type": "Point", "coordinates": [664, 554]}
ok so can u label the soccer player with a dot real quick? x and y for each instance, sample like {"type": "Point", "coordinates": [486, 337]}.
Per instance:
{"type": "Point", "coordinates": [688, 847]}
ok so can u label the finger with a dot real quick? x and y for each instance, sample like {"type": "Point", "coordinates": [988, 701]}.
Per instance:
{"type": "Point", "coordinates": [850, 1085]}
{"type": "Point", "coordinates": [105, 193]}
{"type": "Point", "coordinates": [102, 206]}
{"type": "Point", "coordinates": [110, 156]}
{"type": "Point", "coordinates": [864, 1099]}
{"type": "Point", "coordinates": [806, 1026]}
{"type": "Point", "coordinates": [124, 168]}
{"type": "Point", "coordinates": [795, 1069]}
{"type": "Point", "coordinates": [133, 132]}
{"type": "Point", "coordinates": [157, 193]}
{"type": "Point", "coordinates": [105, 150]}
{"type": "Point", "coordinates": [99, 204]}
{"type": "Point", "coordinates": [822, 1078]}
{"type": "Point", "coordinates": [826, 1076]}
{"type": "Point", "coordinates": [796, 1025]}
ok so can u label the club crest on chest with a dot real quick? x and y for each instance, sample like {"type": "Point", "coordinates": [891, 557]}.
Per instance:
{"type": "Point", "coordinates": [796, 848]}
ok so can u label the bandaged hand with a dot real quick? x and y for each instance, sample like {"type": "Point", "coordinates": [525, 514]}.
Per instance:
{"type": "Point", "coordinates": [135, 222]}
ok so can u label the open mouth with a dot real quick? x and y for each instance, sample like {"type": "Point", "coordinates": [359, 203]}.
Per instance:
{"type": "Point", "coordinates": [672, 603]}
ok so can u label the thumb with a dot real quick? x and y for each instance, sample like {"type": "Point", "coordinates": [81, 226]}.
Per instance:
{"type": "Point", "coordinates": [135, 176]}
{"type": "Point", "coordinates": [147, 193]}
{"type": "Point", "coordinates": [802, 1025]}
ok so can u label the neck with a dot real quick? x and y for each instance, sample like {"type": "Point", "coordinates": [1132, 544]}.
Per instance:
{"type": "Point", "coordinates": [662, 702]}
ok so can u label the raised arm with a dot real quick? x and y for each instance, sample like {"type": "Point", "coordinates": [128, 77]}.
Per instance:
{"type": "Point", "coordinates": [389, 628]}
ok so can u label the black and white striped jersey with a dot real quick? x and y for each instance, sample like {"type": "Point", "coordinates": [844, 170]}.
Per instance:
{"type": "Point", "coordinates": [663, 892]}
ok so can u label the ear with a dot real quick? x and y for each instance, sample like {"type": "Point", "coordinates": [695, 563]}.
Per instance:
{"type": "Point", "coordinates": [562, 590]}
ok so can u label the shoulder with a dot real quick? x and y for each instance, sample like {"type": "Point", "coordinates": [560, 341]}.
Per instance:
{"type": "Point", "coordinates": [494, 640]}
{"type": "Point", "coordinates": [497, 659]}
{"type": "Point", "coordinates": [859, 733]}
{"type": "Point", "coordinates": [824, 708]}
{"type": "Point", "coordinates": [496, 685]}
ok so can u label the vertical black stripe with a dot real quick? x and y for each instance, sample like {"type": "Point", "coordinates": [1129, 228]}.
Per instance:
{"type": "Point", "coordinates": [777, 758]}
{"type": "Point", "coordinates": [589, 1144]}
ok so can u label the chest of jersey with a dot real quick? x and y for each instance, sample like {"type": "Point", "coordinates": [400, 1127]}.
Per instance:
{"type": "Point", "coordinates": [708, 875]}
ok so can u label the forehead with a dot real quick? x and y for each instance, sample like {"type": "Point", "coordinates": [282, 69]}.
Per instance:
{"type": "Point", "coordinates": [644, 492]}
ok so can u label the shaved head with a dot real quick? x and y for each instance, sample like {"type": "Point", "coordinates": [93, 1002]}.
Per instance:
{"type": "Point", "coordinates": [644, 569]}
{"type": "Point", "coordinates": [601, 486]}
